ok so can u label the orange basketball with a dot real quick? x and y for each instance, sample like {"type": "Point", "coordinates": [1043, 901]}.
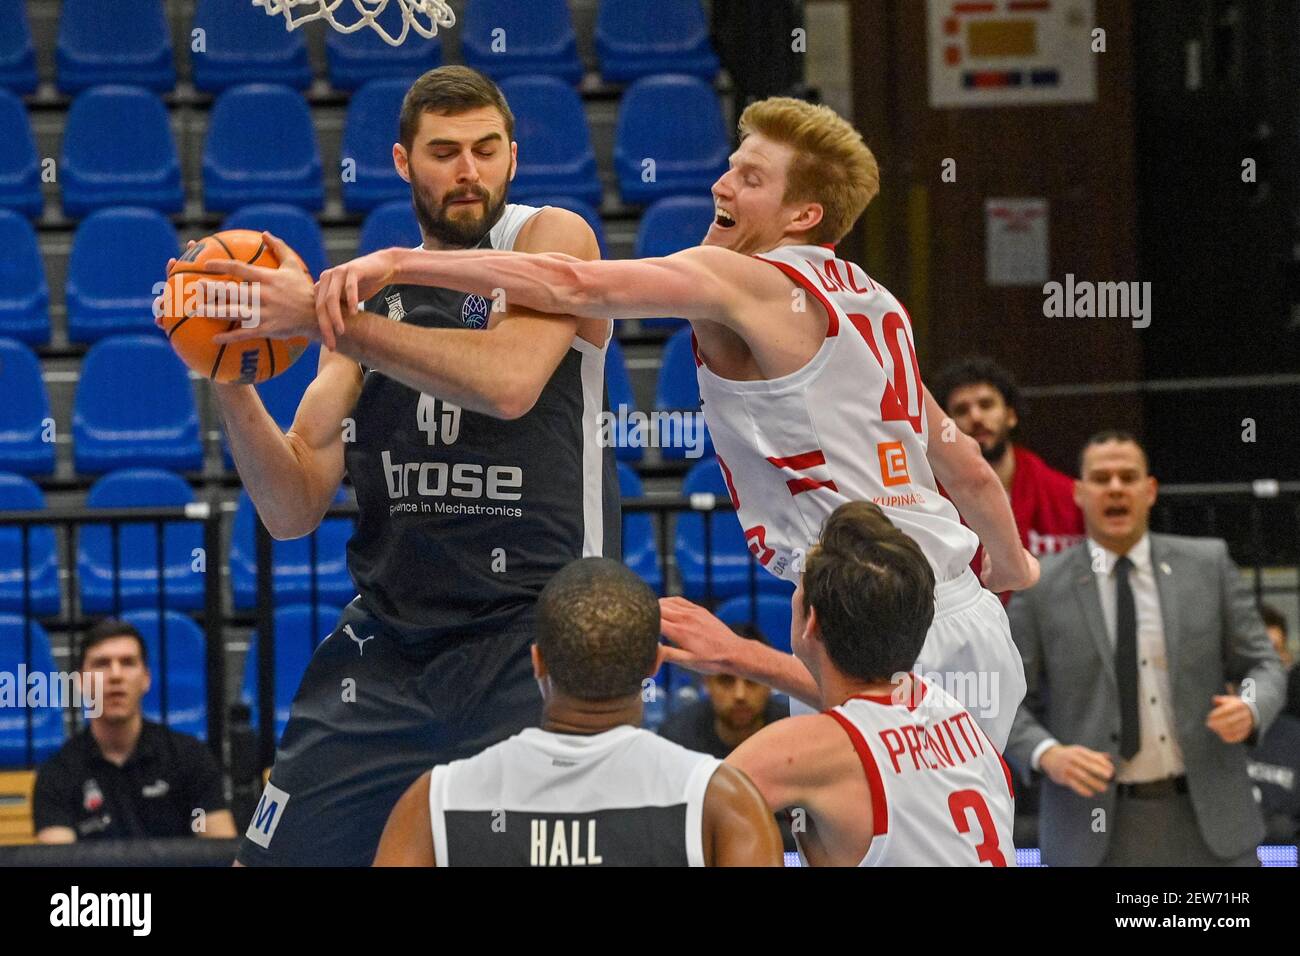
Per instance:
{"type": "Point", "coordinates": [190, 335]}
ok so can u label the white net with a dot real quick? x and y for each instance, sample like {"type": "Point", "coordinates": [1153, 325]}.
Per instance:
{"type": "Point", "coordinates": [422, 16]}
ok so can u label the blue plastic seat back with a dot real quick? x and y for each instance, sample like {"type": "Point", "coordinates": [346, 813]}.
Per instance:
{"type": "Point", "coordinates": [47, 730]}
{"type": "Point", "coordinates": [640, 545]}
{"type": "Point", "coordinates": [297, 634]}
{"type": "Point", "coordinates": [555, 154]}
{"type": "Point", "coordinates": [24, 293]}
{"type": "Point", "coordinates": [134, 407]}
{"type": "Point", "coordinates": [369, 132]}
{"type": "Point", "coordinates": [506, 38]}
{"type": "Point", "coordinates": [392, 224]}
{"type": "Point", "coordinates": [182, 685]}
{"type": "Point", "coordinates": [126, 41]}
{"type": "Point", "coordinates": [678, 389]}
{"type": "Point", "coordinates": [635, 39]}
{"type": "Point", "coordinates": [261, 147]}
{"type": "Point", "coordinates": [26, 430]}
{"type": "Point", "coordinates": [243, 44]}
{"type": "Point", "coordinates": [670, 139]}
{"type": "Point", "coordinates": [20, 168]}
{"type": "Point", "coordinates": [40, 574]}
{"type": "Point", "coordinates": [17, 52]}
{"type": "Point", "coordinates": [118, 256]}
{"type": "Point", "coordinates": [118, 150]}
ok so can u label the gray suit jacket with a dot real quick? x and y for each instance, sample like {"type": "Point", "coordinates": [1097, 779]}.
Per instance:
{"type": "Point", "coordinates": [1213, 634]}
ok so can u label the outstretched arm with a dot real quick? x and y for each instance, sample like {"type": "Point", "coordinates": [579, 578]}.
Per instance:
{"type": "Point", "coordinates": [702, 283]}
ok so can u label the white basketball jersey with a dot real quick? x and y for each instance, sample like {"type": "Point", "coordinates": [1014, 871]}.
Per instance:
{"type": "Point", "coordinates": [625, 797]}
{"type": "Point", "coordinates": [848, 426]}
{"type": "Point", "coordinates": [941, 795]}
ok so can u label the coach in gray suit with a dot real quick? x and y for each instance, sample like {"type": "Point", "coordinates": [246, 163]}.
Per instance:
{"type": "Point", "coordinates": [1148, 668]}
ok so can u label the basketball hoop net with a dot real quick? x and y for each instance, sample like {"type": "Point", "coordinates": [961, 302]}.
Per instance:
{"type": "Point", "coordinates": [435, 13]}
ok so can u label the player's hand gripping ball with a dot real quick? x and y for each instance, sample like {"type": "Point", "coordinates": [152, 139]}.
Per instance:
{"type": "Point", "coordinates": [233, 302]}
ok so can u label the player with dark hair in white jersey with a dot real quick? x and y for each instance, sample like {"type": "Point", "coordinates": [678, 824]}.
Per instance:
{"type": "Point", "coordinates": [589, 787]}
{"type": "Point", "coordinates": [809, 383]}
{"type": "Point", "coordinates": [896, 772]}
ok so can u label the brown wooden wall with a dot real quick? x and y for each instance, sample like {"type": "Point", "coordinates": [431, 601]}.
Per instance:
{"type": "Point", "coordinates": [925, 239]}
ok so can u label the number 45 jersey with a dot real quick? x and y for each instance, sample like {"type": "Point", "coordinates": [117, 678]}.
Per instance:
{"type": "Point", "coordinates": [464, 517]}
{"type": "Point", "coordinates": [848, 426]}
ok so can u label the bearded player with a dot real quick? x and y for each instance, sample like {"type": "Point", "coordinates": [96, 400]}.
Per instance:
{"type": "Point", "coordinates": [809, 383]}
{"type": "Point", "coordinates": [470, 435]}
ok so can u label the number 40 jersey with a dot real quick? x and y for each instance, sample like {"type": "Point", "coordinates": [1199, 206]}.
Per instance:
{"type": "Point", "coordinates": [848, 426]}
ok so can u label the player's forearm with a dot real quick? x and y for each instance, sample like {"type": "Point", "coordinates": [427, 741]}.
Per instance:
{"type": "Point", "coordinates": [470, 368]}
{"type": "Point", "coordinates": [546, 282]}
{"type": "Point", "coordinates": [979, 496]}
{"type": "Point", "coordinates": [783, 672]}
{"type": "Point", "coordinates": [268, 463]}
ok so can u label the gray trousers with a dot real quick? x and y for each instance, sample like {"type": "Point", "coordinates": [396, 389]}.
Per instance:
{"type": "Point", "coordinates": [1162, 831]}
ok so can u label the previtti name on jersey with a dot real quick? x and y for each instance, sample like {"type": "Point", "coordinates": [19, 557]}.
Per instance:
{"type": "Point", "coordinates": [928, 746]}
{"type": "Point", "coordinates": [552, 843]}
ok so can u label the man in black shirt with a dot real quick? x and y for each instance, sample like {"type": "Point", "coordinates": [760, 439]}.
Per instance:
{"type": "Point", "coordinates": [124, 776]}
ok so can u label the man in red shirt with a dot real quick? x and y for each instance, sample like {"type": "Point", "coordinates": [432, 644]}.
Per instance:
{"type": "Point", "coordinates": [981, 398]}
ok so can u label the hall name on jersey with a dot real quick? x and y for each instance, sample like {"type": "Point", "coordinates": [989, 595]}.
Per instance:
{"type": "Point", "coordinates": [928, 747]}
{"type": "Point", "coordinates": [562, 843]}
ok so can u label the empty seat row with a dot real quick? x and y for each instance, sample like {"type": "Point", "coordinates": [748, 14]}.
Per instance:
{"type": "Point", "coordinates": [232, 42]}
{"type": "Point", "coordinates": [118, 148]}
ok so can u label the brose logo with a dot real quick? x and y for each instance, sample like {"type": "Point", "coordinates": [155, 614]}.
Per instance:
{"type": "Point", "coordinates": [437, 479]}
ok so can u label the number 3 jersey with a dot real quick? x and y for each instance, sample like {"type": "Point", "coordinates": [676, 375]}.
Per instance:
{"type": "Point", "coordinates": [465, 517]}
{"type": "Point", "coordinates": [941, 794]}
{"type": "Point", "coordinates": [848, 426]}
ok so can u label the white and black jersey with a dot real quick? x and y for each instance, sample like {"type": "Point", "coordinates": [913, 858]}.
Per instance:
{"type": "Point", "coordinates": [465, 517]}
{"type": "Point", "coordinates": [625, 797]}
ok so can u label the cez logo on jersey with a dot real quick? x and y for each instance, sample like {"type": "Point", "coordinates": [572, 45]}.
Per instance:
{"type": "Point", "coordinates": [474, 313]}
{"type": "Point", "coordinates": [893, 463]}
{"type": "Point", "coordinates": [269, 813]}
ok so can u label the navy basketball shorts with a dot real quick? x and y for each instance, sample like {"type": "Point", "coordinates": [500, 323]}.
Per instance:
{"type": "Point", "coordinates": [374, 712]}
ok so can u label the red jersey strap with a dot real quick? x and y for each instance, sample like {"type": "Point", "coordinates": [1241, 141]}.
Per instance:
{"type": "Point", "coordinates": [879, 811]}
{"type": "Point", "coordinates": [801, 280]}
{"type": "Point", "coordinates": [889, 699]}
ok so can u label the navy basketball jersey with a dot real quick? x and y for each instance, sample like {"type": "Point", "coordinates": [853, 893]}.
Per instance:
{"type": "Point", "coordinates": [465, 517]}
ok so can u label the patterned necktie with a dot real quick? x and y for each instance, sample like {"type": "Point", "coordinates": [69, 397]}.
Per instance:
{"type": "Point", "coordinates": [1126, 670]}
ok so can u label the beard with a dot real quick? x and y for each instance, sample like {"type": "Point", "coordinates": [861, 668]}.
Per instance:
{"type": "Point", "coordinates": [463, 232]}
{"type": "Point", "coordinates": [994, 453]}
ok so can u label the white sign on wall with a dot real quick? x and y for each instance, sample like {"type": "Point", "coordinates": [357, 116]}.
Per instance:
{"type": "Point", "coordinates": [1011, 52]}
{"type": "Point", "coordinates": [1015, 250]}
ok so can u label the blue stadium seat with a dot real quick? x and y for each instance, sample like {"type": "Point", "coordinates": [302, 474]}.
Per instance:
{"type": "Point", "coordinates": [261, 147]}
{"type": "Point", "coordinates": [245, 45]}
{"type": "Point", "coordinates": [134, 407]}
{"type": "Point", "coordinates": [636, 39]}
{"type": "Point", "coordinates": [17, 53]}
{"type": "Point", "coordinates": [507, 38]}
{"type": "Point", "coordinates": [299, 229]}
{"type": "Point", "coordinates": [282, 394]}
{"type": "Point", "coordinates": [676, 121]}
{"type": "Point", "coordinates": [582, 209]}
{"type": "Point", "coordinates": [126, 41]}
{"type": "Point", "coordinates": [732, 564]}
{"type": "Point", "coordinates": [679, 390]}
{"type": "Point", "coordinates": [47, 732]}
{"type": "Point", "coordinates": [640, 545]}
{"type": "Point", "coordinates": [355, 59]}
{"type": "Point", "coordinates": [20, 169]}
{"type": "Point", "coordinates": [118, 150]}
{"type": "Point", "coordinates": [631, 442]}
{"type": "Point", "coordinates": [118, 255]}
{"type": "Point", "coordinates": [669, 226]}
{"type": "Point", "coordinates": [24, 412]}
{"type": "Point", "coordinates": [185, 684]}
{"type": "Point", "coordinates": [368, 137]}
{"type": "Point", "coordinates": [555, 154]}
{"type": "Point", "coordinates": [770, 613]}
{"type": "Point", "coordinates": [296, 639]}
{"type": "Point", "coordinates": [291, 561]}
{"type": "Point", "coordinates": [137, 546]}
{"type": "Point", "coordinates": [24, 294]}
{"type": "Point", "coordinates": [392, 224]}
{"type": "Point", "coordinates": [42, 569]}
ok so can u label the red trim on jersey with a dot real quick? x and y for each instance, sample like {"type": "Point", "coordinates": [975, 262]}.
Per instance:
{"type": "Point", "coordinates": [807, 459]}
{"type": "Point", "coordinates": [879, 812]}
{"type": "Point", "coordinates": [1006, 771]}
{"type": "Point", "coordinates": [833, 326]}
{"type": "Point", "coordinates": [798, 486]}
{"type": "Point", "coordinates": [695, 350]}
{"type": "Point", "coordinates": [888, 699]}
{"type": "Point", "coordinates": [731, 485]}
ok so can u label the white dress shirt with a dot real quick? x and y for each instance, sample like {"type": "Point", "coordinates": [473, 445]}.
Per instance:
{"type": "Point", "coordinates": [1159, 755]}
